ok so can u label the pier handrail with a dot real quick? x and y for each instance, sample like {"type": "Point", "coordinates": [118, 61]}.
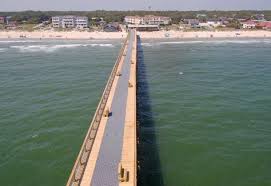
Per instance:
{"type": "Point", "coordinates": [83, 156]}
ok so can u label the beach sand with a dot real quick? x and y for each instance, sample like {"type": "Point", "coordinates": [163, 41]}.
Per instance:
{"type": "Point", "coordinates": [144, 35]}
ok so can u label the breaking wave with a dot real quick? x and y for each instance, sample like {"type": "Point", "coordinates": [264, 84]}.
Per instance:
{"type": "Point", "coordinates": [52, 48]}
{"type": "Point", "coordinates": [232, 41]}
{"type": "Point", "coordinates": [3, 49]}
{"type": "Point", "coordinates": [147, 44]}
{"type": "Point", "coordinates": [218, 41]}
{"type": "Point", "coordinates": [18, 41]}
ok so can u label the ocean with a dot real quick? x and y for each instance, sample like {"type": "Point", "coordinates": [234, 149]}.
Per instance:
{"type": "Point", "coordinates": [203, 109]}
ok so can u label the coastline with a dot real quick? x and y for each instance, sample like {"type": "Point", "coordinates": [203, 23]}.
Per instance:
{"type": "Point", "coordinates": [143, 35]}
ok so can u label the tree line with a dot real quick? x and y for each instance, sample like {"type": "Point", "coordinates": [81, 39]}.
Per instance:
{"type": "Point", "coordinates": [35, 17]}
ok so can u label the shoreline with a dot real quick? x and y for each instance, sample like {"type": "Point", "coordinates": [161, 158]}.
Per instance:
{"type": "Point", "coordinates": [143, 35]}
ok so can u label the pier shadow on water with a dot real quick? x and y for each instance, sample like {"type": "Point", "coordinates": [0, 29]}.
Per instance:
{"type": "Point", "coordinates": [149, 171]}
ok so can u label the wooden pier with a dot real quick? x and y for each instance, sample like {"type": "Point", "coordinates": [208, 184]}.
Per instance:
{"type": "Point", "coordinates": [108, 155]}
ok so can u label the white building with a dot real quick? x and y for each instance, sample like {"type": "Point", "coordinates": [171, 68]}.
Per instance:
{"type": "Point", "coordinates": [214, 24]}
{"type": "Point", "coordinates": [147, 20]}
{"type": "Point", "coordinates": [135, 20]}
{"type": "Point", "coordinates": [81, 22]}
{"type": "Point", "coordinates": [249, 25]}
{"type": "Point", "coordinates": [157, 20]}
{"type": "Point", "coordinates": [204, 25]}
{"type": "Point", "coordinates": [69, 22]}
{"type": "Point", "coordinates": [56, 21]}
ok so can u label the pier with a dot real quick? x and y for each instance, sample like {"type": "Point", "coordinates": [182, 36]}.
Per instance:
{"type": "Point", "coordinates": [108, 156]}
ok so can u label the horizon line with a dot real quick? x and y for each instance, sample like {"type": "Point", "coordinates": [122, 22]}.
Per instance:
{"type": "Point", "coordinates": [143, 10]}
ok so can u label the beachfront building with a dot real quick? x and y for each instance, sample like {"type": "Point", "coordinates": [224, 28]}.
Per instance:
{"type": "Point", "coordinates": [81, 22]}
{"type": "Point", "coordinates": [146, 23]}
{"type": "Point", "coordinates": [144, 28]}
{"type": "Point", "coordinates": [156, 20]}
{"type": "Point", "coordinates": [260, 17]}
{"type": "Point", "coordinates": [56, 21]}
{"type": "Point", "coordinates": [134, 20]}
{"type": "Point", "coordinates": [249, 24]}
{"type": "Point", "coordinates": [70, 22]}
{"type": "Point", "coordinates": [2, 20]}
{"type": "Point", "coordinates": [225, 20]}
{"type": "Point", "coordinates": [112, 27]}
{"type": "Point", "coordinates": [12, 25]}
{"type": "Point", "coordinates": [266, 25]}
{"type": "Point", "coordinates": [191, 23]}
{"type": "Point", "coordinates": [204, 25]}
{"type": "Point", "coordinates": [211, 24]}
{"type": "Point", "coordinates": [214, 24]}
{"type": "Point", "coordinates": [147, 20]}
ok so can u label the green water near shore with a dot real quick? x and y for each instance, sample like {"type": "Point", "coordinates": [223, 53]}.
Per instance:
{"type": "Point", "coordinates": [210, 104]}
{"type": "Point", "coordinates": [207, 121]}
{"type": "Point", "coordinates": [49, 92]}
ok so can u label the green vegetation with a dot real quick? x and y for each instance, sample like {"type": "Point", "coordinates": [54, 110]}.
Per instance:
{"type": "Point", "coordinates": [2, 27]}
{"type": "Point", "coordinates": [234, 24]}
{"type": "Point", "coordinates": [27, 27]}
{"type": "Point", "coordinates": [34, 17]}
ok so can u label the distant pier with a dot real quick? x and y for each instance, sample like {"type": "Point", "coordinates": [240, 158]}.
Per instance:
{"type": "Point", "coordinates": [108, 156]}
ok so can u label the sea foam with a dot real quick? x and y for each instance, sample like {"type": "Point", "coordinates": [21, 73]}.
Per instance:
{"type": "Point", "coordinates": [232, 41]}
{"type": "Point", "coordinates": [52, 48]}
{"type": "Point", "coordinates": [213, 41]}
{"type": "Point", "coordinates": [3, 49]}
{"type": "Point", "coordinates": [19, 41]}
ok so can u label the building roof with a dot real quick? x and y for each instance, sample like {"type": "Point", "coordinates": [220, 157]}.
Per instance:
{"type": "Point", "coordinates": [192, 21]}
{"type": "Point", "coordinates": [153, 17]}
{"type": "Point", "coordinates": [132, 17]}
{"type": "Point", "coordinates": [266, 24]}
{"type": "Point", "coordinates": [148, 17]}
{"type": "Point", "coordinates": [71, 16]}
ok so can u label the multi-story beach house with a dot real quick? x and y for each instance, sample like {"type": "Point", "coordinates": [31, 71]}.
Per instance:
{"type": "Point", "coordinates": [70, 22]}
{"type": "Point", "coordinates": [135, 20]}
{"type": "Point", "coordinates": [2, 20]}
{"type": "Point", "coordinates": [260, 17]}
{"type": "Point", "coordinates": [157, 20]}
{"type": "Point", "coordinates": [147, 20]}
{"type": "Point", "coordinates": [191, 23]}
{"type": "Point", "coordinates": [214, 23]}
{"type": "Point", "coordinates": [249, 24]}
{"type": "Point", "coordinates": [81, 22]}
{"type": "Point", "coordinates": [56, 21]}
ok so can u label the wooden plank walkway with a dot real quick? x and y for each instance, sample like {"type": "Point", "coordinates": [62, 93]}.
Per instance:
{"type": "Point", "coordinates": [108, 154]}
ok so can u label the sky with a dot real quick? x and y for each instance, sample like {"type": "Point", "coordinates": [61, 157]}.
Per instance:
{"type": "Point", "coordinates": [88, 5]}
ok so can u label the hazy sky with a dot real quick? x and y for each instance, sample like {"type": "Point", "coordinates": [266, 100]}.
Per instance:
{"type": "Point", "coordinates": [17, 5]}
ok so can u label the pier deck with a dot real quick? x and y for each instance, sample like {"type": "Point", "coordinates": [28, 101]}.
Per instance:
{"type": "Point", "coordinates": [108, 154]}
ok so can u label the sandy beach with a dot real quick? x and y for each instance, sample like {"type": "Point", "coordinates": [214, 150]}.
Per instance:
{"type": "Point", "coordinates": [144, 35]}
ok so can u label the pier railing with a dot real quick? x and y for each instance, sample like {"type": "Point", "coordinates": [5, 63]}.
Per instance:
{"type": "Point", "coordinates": [83, 156]}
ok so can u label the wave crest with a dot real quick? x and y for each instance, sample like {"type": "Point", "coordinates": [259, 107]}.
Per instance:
{"type": "Point", "coordinates": [52, 48]}
{"type": "Point", "coordinates": [217, 42]}
{"type": "Point", "coordinates": [18, 41]}
{"type": "Point", "coordinates": [3, 49]}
